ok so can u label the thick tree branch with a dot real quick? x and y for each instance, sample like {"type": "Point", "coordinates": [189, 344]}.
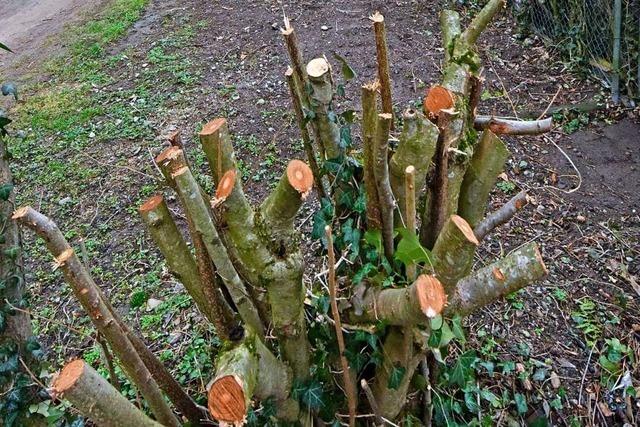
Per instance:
{"type": "Point", "coordinates": [248, 371]}
{"type": "Point", "coordinates": [513, 272]}
{"type": "Point", "coordinates": [415, 304]}
{"type": "Point", "coordinates": [96, 399]}
{"type": "Point", "coordinates": [99, 312]}
{"type": "Point", "coordinates": [416, 147]}
{"type": "Point", "coordinates": [165, 234]}
{"type": "Point", "coordinates": [199, 212]}
{"type": "Point", "coordinates": [453, 252]}
{"type": "Point", "coordinates": [486, 164]}
{"type": "Point", "coordinates": [383, 185]}
{"type": "Point", "coordinates": [320, 100]}
{"type": "Point", "coordinates": [369, 126]}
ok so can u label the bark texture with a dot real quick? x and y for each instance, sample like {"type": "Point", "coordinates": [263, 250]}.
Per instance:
{"type": "Point", "coordinates": [489, 158]}
{"type": "Point", "coordinates": [99, 312]}
{"type": "Point", "coordinates": [96, 399]}
{"type": "Point", "coordinates": [511, 273]}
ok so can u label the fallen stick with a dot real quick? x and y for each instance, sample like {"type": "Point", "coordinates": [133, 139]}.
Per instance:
{"type": "Point", "coordinates": [502, 126]}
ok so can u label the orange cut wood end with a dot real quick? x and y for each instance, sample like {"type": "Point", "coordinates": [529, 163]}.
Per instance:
{"type": "Point", "coordinates": [225, 187]}
{"type": "Point", "coordinates": [151, 203]}
{"type": "Point", "coordinates": [213, 126]}
{"type": "Point", "coordinates": [465, 228]}
{"type": "Point", "coordinates": [431, 295]}
{"type": "Point", "coordinates": [68, 377]}
{"type": "Point", "coordinates": [438, 98]}
{"type": "Point", "coordinates": [498, 274]}
{"type": "Point", "coordinates": [300, 177]}
{"type": "Point", "coordinates": [226, 400]}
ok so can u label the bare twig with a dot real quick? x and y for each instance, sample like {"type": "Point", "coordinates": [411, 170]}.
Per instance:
{"type": "Point", "coordinates": [372, 402]}
{"type": "Point", "coordinates": [348, 385]}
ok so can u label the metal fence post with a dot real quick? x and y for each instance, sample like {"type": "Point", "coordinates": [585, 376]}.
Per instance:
{"type": "Point", "coordinates": [617, 30]}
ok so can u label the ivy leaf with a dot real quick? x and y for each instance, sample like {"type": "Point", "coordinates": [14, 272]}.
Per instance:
{"type": "Point", "coordinates": [490, 397]}
{"type": "Point", "coordinates": [5, 191]}
{"type": "Point", "coordinates": [345, 137]}
{"type": "Point", "coordinates": [310, 394]}
{"type": "Point", "coordinates": [363, 272]}
{"type": "Point", "coordinates": [471, 402]}
{"type": "Point", "coordinates": [357, 360]}
{"type": "Point", "coordinates": [409, 250]}
{"type": "Point", "coordinates": [521, 403]}
{"type": "Point", "coordinates": [396, 376]}
{"type": "Point", "coordinates": [462, 370]}
{"type": "Point", "coordinates": [347, 71]}
{"type": "Point", "coordinates": [351, 236]}
{"type": "Point", "coordinates": [10, 365]}
{"type": "Point", "coordinates": [349, 116]}
{"type": "Point", "coordinates": [436, 322]}
{"type": "Point", "coordinates": [5, 47]}
{"type": "Point", "coordinates": [457, 329]}
{"type": "Point", "coordinates": [374, 238]}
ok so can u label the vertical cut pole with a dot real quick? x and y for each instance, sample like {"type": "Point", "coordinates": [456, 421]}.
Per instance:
{"type": "Point", "coordinates": [617, 30]}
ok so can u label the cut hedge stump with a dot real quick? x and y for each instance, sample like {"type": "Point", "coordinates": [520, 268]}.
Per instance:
{"type": "Point", "coordinates": [96, 398]}
{"type": "Point", "coordinates": [245, 268]}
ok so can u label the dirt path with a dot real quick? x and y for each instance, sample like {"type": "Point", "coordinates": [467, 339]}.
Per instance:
{"type": "Point", "coordinates": [27, 25]}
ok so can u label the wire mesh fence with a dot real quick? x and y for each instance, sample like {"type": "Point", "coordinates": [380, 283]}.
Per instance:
{"type": "Point", "coordinates": [599, 36]}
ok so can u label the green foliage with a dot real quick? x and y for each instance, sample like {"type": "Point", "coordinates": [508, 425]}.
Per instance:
{"type": "Point", "coordinates": [396, 376]}
{"type": "Point", "coordinates": [611, 361]}
{"type": "Point", "coordinates": [506, 186]}
{"type": "Point", "coordinates": [409, 250]}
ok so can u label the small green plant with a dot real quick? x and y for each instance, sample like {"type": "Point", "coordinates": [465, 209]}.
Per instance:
{"type": "Point", "coordinates": [506, 186]}
{"type": "Point", "coordinates": [587, 320]}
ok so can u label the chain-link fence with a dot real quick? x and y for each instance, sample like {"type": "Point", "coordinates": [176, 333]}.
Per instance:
{"type": "Point", "coordinates": [601, 36]}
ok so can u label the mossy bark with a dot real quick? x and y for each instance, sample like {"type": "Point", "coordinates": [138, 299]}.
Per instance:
{"type": "Point", "coordinates": [383, 185]}
{"type": "Point", "coordinates": [321, 103]}
{"type": "Point", "coordinates": [416, 147]}
{"type": "Point", "coordinates": [246, 371]}
{"type": "Point", "coordinates": [199, 212]}
{"type": "Point", "coordinates": [453, 252]}
{"type": "Point", "coordinates": [97, 399]}
{"type": "Point", "coordinates": [89, 296]}
{"type": "Point", "coordinates": [369, 125]}
{"type": "Point", "coordinates": [489, 158]}
{"type": "Point", "coordinates": [168, 238]}
{"type": "Point", "coordinates": [513, 272]}
{"type": "Point", "coordinates": [398, 353]}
